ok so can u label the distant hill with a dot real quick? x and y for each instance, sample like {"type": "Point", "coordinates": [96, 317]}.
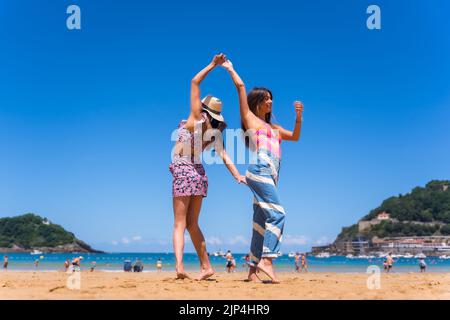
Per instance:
{"type": "Point", "coordinates": [425, 211]}
{"type": "Point", "coordinates": [31, 232]}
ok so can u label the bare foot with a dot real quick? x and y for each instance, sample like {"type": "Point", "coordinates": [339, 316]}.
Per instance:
{"type": "Point", "coordinates": [252, 276]}
{"type": "Point", "coordinates": [266, 266]}
{"type": "Point", "coordinates": [205, 274]}
{"type": "Point", "coordinates": [182, 275]}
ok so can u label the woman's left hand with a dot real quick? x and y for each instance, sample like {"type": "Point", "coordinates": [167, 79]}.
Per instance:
{"type": "Point", "coordinates": [298, 108]}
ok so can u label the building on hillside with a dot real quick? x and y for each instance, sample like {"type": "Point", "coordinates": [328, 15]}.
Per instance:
{"type": "Point", "coordinates": [382, 216]}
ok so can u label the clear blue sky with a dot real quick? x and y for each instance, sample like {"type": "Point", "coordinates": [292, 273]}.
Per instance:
{"type": "Point", "coordinates": [86, 116]}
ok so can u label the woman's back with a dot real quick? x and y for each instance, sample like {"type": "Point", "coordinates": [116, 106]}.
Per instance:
{"type": "Point", "coordinates": [190, 144]}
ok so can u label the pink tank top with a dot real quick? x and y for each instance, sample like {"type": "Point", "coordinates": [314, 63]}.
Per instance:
{"type": "Point", "coordinates": [268, 140]}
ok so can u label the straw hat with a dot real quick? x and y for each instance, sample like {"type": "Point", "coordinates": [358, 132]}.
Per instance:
{"type": "Point", "coordinates": [213, 106]}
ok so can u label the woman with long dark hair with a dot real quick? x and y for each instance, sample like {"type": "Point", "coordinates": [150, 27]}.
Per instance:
{"type": "Point", "coordinates": [190, 183]}
{"type": "Point", "coordinates": [262, 176]}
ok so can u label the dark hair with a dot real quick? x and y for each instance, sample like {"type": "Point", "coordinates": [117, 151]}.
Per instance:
{"type": "Point", "coordinates": [216, 124]}
{"type": "Point", "coordinates": [255, 97]}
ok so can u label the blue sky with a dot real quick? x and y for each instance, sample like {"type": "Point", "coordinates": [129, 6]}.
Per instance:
{"type": "Point", "coordinates": [86, 115]}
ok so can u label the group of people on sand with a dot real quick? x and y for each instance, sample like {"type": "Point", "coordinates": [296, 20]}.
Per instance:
{"type": "Point", "coordinates": [74, 265]}
{"type": "Point", "coordinates": [190, 182]}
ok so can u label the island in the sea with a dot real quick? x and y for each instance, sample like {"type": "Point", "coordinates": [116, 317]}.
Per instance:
{"type": "Point", "coordinates": [32, 233]}
{"type": "Point", "coordinates": [410, 224]}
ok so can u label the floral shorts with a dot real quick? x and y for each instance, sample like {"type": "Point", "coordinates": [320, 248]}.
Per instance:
{"type": "Point", "coordinates": [188, 180]}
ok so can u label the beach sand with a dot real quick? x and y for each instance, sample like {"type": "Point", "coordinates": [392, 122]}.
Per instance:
{"type": "Point", "coordinates": [152, 285]}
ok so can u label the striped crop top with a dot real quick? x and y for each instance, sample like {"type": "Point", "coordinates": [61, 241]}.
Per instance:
{"type": "Point", "coordinates": [268, 139]}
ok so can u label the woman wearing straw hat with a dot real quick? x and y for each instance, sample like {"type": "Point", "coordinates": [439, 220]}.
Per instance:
{"type": "Point", "coordinates": [190, 183]}
{"type": "Point", "coordinates": [262, 176]}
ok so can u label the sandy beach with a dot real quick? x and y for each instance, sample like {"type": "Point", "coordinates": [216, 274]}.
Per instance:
{"type": "Point", "coordinates": [112, 285]}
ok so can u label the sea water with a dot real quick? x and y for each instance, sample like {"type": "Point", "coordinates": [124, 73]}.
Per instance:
{"type": "Point", "coordinates": [115, 262]}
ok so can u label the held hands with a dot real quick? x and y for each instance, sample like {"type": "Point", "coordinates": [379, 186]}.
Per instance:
{"type": "Point", "coordinates": [219, 59]}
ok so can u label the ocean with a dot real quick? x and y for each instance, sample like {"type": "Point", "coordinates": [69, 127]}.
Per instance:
{"type": "Point", "coordinates": [114, 262]}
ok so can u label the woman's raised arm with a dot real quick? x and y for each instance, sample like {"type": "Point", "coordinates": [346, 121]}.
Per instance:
{"type": "Point", "coordinates": [196, 103]}
{"type": "Point", "coordinates": [293, 135]}
{"type": "Point", "coordinates": [247, 116]}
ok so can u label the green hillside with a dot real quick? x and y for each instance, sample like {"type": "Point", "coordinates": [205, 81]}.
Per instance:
{"type": "Point", "coordinates": [31, 231]}
{"type": "Point", "coordinates": [425, 211]}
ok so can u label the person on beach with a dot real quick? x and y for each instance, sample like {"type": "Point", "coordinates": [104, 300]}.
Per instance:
{"type": "Point", "coordinates": [5, 263]}
{"type": "Point", "coordinates": [127, 266]}
{"type": "Point", "coordinates": [36, 263]}
{"type": "Point", "coordinates": [233, 264]}
{"type": "Point", "coordinates": [389, 263]}
{"type": "Point", "coordinates": [422, 265]}
{"type": "Point", "coordinates": [93, 265]}
{"type": "Point", "coordinates": [138, 266]}
{"type": "Point", "coordinates": [190, 183]}
{"type": "Point", "coordinates": [159, 265]}
{"type": "Point", "coordinates": [229, 264]}
{"type": "Point", "coordinates": [66, 264]}
{"type": "Point", "coordinates": [304, 263]}
{"type": "Point", "coordinates": [262, 176]}
{"type": "Point", "coordinates": [297, 262]}
{"type": "Point", "coordinates": [247, 261]}
{"type": "Point", "coordinates": [76, 263]}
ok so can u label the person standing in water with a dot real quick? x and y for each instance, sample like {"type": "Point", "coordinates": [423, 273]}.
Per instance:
{"type": "Point", "coordinates": [76, 263]}
{"type": "Point", "coordinates": [422, 265]}
{"type": "Point", "coordinates": [262, 176]}
{"type": "Point", "coordinates": [190, 183]}
{"type": "Point", "coordinates": [389, 263]}
{"type": "Point", "coordinates": [229, 258]}
{"type": "Point", "coordinates": [5, 263]}
{"type": "Point", "coordinates": [159, 265]}
{"type": "Point", "coordinates": [66, 264]}
{"type": "Point", "coordinates": [304, 263]}
{"type": "Point", "coordinates": [297, 262]}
